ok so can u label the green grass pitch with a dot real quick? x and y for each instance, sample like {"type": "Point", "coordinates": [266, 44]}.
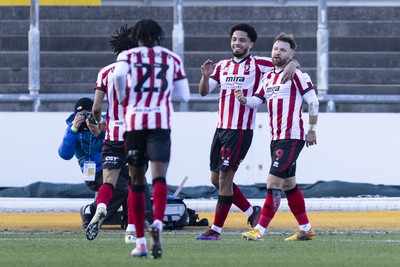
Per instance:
{"type": "Point", "coordinates": [329, 248]}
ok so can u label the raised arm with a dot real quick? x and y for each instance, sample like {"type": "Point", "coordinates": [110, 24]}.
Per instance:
{"type": "Point", "coordinates": [206, 70]}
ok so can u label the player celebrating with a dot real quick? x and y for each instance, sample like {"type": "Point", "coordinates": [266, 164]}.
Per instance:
{"type": "Point", "coordinates": [284, 101]}
{"type": "Point", "coordinates": [234, 133]}
{"type": "Point", "coordinates": [156, 76]}
{"type": "Point", "coordinates": [113, 155]}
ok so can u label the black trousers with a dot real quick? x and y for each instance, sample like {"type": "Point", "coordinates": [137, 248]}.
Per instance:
{"type": "Point", "coordinates": [120, 195]}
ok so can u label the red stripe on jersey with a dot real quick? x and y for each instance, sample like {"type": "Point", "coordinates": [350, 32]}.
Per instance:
{"type": "Point", "coordinates": [241, 112]}
{"type": "Point", "coordinates": [133, 121]}
{"type": "Point", "coordinates": [257, 80]}
{"type": "Point", "coordinates": [226, 67]}
{"type": "Point", "coordinates": [251, 111]}
{"type": "Point", "coordinates": [151, 62]}
{"type": "Point", "coordinates": [168, 108]}
{"type": "Point", "coordinates": [235, 69]}
{"type": "Point", "coordinates": [164, 62]}
{"type": "Point", "coordinates": [116, 133]}
{"type": "Point", "coordinates": [292, 103]}
{"type": "Point", "coordinates": [128, 95]}
{"type": "Point", "coordinates": [271, 116]}
{"type": "Point", "coordinates": [139, 71]}
{"type": "Point", "coordinates": [232, 100]}
{"type": "Point", "coordinates": [279, 118]}
{"type": "Point", "coordinates": [147, 103]}
{"type": "Point", "coordinates": [239, 145]}
{"type": "Point", "coordinates": [301, 124]}
{"type": "Point", "coordinates": [115, 103]}
{"type": "Point", "coordinates": [145, 121]}
{"type": "Point", "coordinates": [139, 97]}
{"type": "Point", "coordinates": [217, 72]}
{"type": "Point", "coordinates": [290, 158]}
{"type": "Point", "coordinates": [276, 77]}
{"type": "Point", "coordinates": [222, 108]}
{"type": "Point", "coordinates": [298, 84]}
{"type": "Point", "coordinates": [158, 114]}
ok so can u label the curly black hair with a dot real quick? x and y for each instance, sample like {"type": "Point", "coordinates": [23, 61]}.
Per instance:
{"type": "Point", "coordinates": [251, 32]}
{"type": "Point", "coordinates": [123, 40]}
{"type": "Point", "coordinates": [148, 32]}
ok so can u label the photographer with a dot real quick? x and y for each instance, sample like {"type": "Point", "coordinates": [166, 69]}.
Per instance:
{"type": "Point", "coordinates": [84, 140]}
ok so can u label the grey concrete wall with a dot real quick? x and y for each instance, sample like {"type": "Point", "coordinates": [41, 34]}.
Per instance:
{"type": "Point", "coordinates": [364, 43]}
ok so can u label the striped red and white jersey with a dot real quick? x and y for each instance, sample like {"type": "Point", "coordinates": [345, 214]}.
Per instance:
{"type": "Point", "coordinates": [153, 71]}
{"type": "Point", "coordinates": [245, 75]}
{"type": "Point", "coordinates": [115, 125]}
{"type": "Point", "coordinates": [285, 103]}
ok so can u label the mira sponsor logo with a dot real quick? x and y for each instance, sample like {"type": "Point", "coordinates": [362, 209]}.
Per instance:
{"type": "Point", "coordinates": [235, 79]}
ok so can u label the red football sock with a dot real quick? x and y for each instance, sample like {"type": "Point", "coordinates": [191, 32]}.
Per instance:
{"type": "Point", "coordinates": [105, 193]}
{"type": "Point", "coordinates": [129, 204]}
{"type": "Point", "coordinates": [160, 191]}
{"type": "Point", "coordinates": [271, 205]}
{"type": "Point", "coordinates": [224, 204]}
{"type": "Point", "coordinates": [138, 209]}
{"type": "Point", "coordinates": [239, 200]}
{"type": "Point", "coordinates": [297, 205]}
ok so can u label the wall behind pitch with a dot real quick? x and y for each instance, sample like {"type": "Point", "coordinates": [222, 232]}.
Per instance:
{"type": "Point", "coordinates": [354, 147]}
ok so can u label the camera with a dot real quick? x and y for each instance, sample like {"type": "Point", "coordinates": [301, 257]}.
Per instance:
{"type": "Point", "coordinates": [89, 115]}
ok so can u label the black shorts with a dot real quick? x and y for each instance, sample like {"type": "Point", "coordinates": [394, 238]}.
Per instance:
{"type": "Point", "coordinates": [113, 154]}
{"type": "Point", "coordinates": [229, 148]}
{"type": "Point", "coordinates": [144, 145]}
{"type": "Point", "coordinates": [284, 154]}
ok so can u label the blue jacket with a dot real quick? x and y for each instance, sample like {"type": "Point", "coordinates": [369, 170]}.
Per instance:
{"type": "Point", "coordinates": [84, 145]}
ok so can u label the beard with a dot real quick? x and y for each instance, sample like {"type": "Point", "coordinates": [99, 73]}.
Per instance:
{"type": "Point", "coordinates": [280, 62]}
{"type": "Point", "coordinates": [240, 54]}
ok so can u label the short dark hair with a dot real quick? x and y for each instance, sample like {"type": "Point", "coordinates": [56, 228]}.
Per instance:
{"type": "Point", "coordinates": [251, 32]}
{"type": "Point", "coordinates": [123, 40]}
{"type": "Point", "coordinates": [148, 32]}
{"type": "Point", "coordinates": [285, 37]}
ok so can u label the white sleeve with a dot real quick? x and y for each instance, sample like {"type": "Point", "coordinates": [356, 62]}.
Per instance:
{"type": "Point", "coordinates": [181, 91]}
{"type": "Point", "coordinates": [212, 84]}
{"type": "Point", "coordinates": [120, 72]}
{"type": "Point", "coordinates": [313, 104]}
{"type": "Point", "coordinates": [310, 96]}
{"type": "Point", "coordinates": [253, 101]}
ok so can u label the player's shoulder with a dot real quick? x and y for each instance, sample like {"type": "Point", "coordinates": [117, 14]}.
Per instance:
{"type": "Point", "coordinates": [166, 51]}
{"type": "Point", "coordinates": [263, 61]}
{"type": "Point", "coordinates": [261, 58]}
{"type": "Point", "coordinates": [224, 61]}
{"type": "Point", "coordinates": [301, 73]}
{"type": "Point", "coordinates": [108, 67]}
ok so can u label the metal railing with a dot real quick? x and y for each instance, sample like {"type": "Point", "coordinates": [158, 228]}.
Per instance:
{"type": "Point", "coordinates": [329, 100]}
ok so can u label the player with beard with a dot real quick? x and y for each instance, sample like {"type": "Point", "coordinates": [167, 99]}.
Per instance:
{"type": "Point", "coordinates": [234, 133]}
{"type": "Point", "coordinates": [284, 100]}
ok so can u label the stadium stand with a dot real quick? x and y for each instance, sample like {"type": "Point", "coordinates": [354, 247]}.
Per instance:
{"type": "Point", "coordinates": [364, 58]}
